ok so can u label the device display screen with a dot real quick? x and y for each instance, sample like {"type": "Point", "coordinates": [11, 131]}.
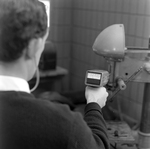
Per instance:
{"type": "Point", "coordinates": [93, 78]}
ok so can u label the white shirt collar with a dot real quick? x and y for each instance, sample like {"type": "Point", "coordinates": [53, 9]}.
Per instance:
{"type": "Point", "coordinates": [8, 83]}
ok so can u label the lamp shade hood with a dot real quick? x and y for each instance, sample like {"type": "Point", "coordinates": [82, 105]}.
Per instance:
{"type": "Point", "coordinates": [110, 42]}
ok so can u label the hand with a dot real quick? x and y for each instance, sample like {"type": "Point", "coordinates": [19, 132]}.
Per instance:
{"type": "Point", "coordinates": [147, 67]}
{"type": "Point", "coordinates": [98, 95]}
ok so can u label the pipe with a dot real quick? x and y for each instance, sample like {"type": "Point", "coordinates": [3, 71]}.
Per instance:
{"type": "Point", "coordinates": [144, 132]}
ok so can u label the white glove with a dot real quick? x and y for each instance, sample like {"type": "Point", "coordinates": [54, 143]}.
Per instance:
{"type": "Point", "coordinates": [98, 95]}
{"type": "Point", "coordinates": [147, 66]}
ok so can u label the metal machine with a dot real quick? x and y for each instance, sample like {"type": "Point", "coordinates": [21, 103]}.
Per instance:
{"type": "Point", "coordinates": [124, 64]}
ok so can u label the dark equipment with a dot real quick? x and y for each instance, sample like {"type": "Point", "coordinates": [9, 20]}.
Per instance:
{"type": "Point", "coordinates": [48, 59]}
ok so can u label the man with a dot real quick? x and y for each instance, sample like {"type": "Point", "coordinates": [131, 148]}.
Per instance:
{"type": "Point", "coordinates": [26, 122]}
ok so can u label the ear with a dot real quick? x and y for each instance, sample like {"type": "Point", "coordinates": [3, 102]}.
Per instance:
{"type": "Point", "coordinates": [33, 47]}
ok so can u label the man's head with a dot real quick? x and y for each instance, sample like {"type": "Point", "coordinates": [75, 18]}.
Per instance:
{"type": "Point", "coordinates": [23, 30]}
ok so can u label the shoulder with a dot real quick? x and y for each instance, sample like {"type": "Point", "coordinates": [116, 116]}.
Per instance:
{"type": "Point", "coordinates": [54, 108]}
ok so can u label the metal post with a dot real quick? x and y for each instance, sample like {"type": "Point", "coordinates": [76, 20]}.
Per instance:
{"type": "Point", "coordinates": [144, 133]}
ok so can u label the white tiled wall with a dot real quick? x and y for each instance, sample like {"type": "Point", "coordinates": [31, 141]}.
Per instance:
{"type": "Point", "coordinates": [60, 34]}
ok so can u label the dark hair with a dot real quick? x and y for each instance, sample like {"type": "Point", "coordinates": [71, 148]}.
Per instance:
{"type": "Point", "coordinates": [20, 21]}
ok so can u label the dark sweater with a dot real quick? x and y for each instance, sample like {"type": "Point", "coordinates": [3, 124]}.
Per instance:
{"type": "Point", "coordinates": [29, 123]}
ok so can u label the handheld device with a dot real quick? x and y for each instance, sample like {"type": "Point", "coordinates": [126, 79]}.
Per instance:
{"type": "Point", "coordinates": [96, 78]}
